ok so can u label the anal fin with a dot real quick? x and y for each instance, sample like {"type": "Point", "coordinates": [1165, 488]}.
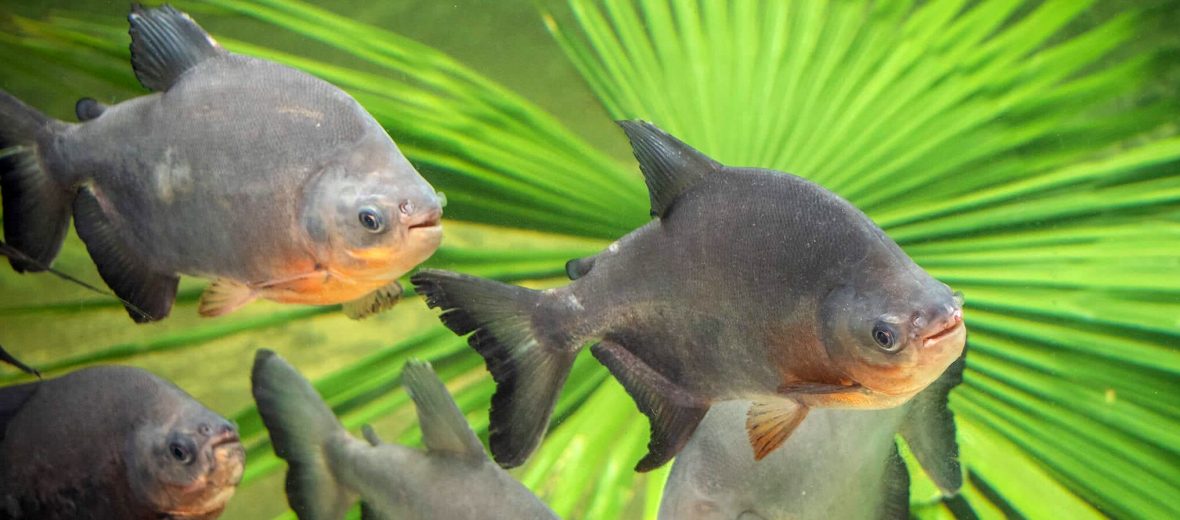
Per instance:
{"type": "Point", "coordinates": [768, 424]}
{"type": "Point", "coordinates": [374, 302]}
{"type": "Point", "coordinates": [224, 296]}
{"type": "Point", "coordinates": [674, 413]}
{"type": "Point", "coordinates": [149, 293]}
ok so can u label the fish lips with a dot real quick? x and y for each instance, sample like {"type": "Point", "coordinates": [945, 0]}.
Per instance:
{"type": "Point", "coordinates": [952, 332]}
{"type": "Point", "coordinates": [430, 221]}
{"type": "Point", "coordinates": [228, 453]}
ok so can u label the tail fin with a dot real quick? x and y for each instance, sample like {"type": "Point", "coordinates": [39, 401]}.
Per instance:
{"type": "Point", "coordinates": [36, 208]}
{"type": "Point", "coordinates": [300, 425]}
{"type": "Point", "coordinates": [521, 340]}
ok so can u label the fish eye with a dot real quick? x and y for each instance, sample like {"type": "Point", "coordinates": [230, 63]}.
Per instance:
{"type": "Point", "coordinates": [180, 452]}
{"type": "Point", "coordinates": [371, 219]}
{"type": "Point", "coordinates": [885, 337]}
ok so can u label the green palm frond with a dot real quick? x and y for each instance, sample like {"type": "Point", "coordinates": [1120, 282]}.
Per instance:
{"type": "Point", "coordinates": [1014, 148]}
{"type": "Point", "coordinates": [1004, 148]}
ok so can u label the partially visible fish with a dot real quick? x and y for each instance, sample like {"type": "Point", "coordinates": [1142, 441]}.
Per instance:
{"type": "Point", "coordinates": [329, 470]}
{"type": "Point", "coordinates": [838, 463]}
{"type": "Point", "coordinates": [113, 442]}
{"type": "Point", "coordinates": [751, 284]}
{"type": "Point", "coordinates": [272, 182]}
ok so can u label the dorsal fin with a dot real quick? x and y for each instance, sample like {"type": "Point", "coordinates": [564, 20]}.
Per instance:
{"type": "Point", "coordinates": [444, 429]}
{"type": "Point", "coordinates": [165, 43]}
{"type": "Point", "coordinates": [929, 430]}
{"type": "Point", "coordinates": [669, 165]}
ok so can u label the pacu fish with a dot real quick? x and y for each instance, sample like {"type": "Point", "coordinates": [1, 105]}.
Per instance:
{"type": "Point", "coordinates": [329, 469]}
{"type": "Point", "coordinates": [272, 182]}
{"type": "Point", "coordinates": [750, 284]}
{"type": "Point", "coordinates": [113, 442]}
{"type": "Point", "coordinates": [837, 464]}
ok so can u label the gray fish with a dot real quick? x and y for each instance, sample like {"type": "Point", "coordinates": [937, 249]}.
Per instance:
{"type": "Point", "coordinates": [274, 183]}
{"type": "Point", "coordinates": [113, 442]}
{"type": "Point", "coordinates": [751, 284]}
{"type": "Point", "coordinates": [329, 469]}
{"type": "Point", "coordinates": [833, 451]}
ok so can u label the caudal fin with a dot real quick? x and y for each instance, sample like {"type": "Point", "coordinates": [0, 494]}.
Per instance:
{"type": "Point", "coordinates": [36, 208]}
{"type": "Point", "coordinates": [300, 426]}
{"type": "Point", "coordinates": [516, 333]}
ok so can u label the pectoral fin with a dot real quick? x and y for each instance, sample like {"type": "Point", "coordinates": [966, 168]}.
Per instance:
{"type": "Point", "coordinates": [374, 302]}
{"type": "Point", "coordinates": [818, 389]}
{"type": "Point", "coordinates": [224, 296]}
{"type": "Point", "coordinates": [768, 424]}
{"type": "Point", "coordinates": [674, 413]}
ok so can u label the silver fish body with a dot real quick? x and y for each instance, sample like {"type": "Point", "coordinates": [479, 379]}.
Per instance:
{"type": "Point", "coordinates": [113, 442]}
{"type": "Point", "coordinates": [751, 284]}
{"type": "Point", "coordinates": [271, 181]}
{"type": "Point", "coordinates": [838, 463]}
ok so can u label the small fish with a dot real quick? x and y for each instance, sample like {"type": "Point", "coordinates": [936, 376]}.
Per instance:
{"type": "Point", "coordinates": [329, 470]}
{"type": "Point", "coordinates": [273, 183]}
{"type": "Point", "coordinates": [833, 451]}
{"type": "Point", "coordinates": [113, 442]}
{"type": "Point", "coordinates": [750, 284]}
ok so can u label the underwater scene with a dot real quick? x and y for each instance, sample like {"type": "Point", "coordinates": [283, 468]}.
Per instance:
{"type": "Point", "coordinates": [590, 259]}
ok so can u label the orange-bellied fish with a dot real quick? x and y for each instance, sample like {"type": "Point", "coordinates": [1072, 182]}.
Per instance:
{"type": "Point", "coordinates": [329, 470]}
{"type": "Point", "coordinates": [272, 182]}
{"type": "Point", "coordinates": [113, 442]}
{"type": "Point", "coordinates": [751, 284]}
{"type": "Point", "coordinates": [837, 464]}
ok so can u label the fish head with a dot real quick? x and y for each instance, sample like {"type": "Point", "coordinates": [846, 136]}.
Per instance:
{"type": "Point", "coordinates": [893, 334]}
{"type": "Point", "coordinates": [371, 214]}
{"type": "Point", "coordinates": [187, 466]}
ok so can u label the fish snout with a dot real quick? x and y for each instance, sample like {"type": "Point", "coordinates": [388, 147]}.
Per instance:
{"type": "Point", "coordinates": [947, 325]}
{"type": "Point", "coordinates": [228, 454]}
{"type": "Point", "coordinates": [424, 214]}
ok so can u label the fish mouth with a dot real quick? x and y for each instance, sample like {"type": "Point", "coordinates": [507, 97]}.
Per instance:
{"type": "Point", "coordinates": [427, 221]}
{"type": "Point", "coordinates": [221, 439]}
{"type": "Point", "coordinates": [952, 329]}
